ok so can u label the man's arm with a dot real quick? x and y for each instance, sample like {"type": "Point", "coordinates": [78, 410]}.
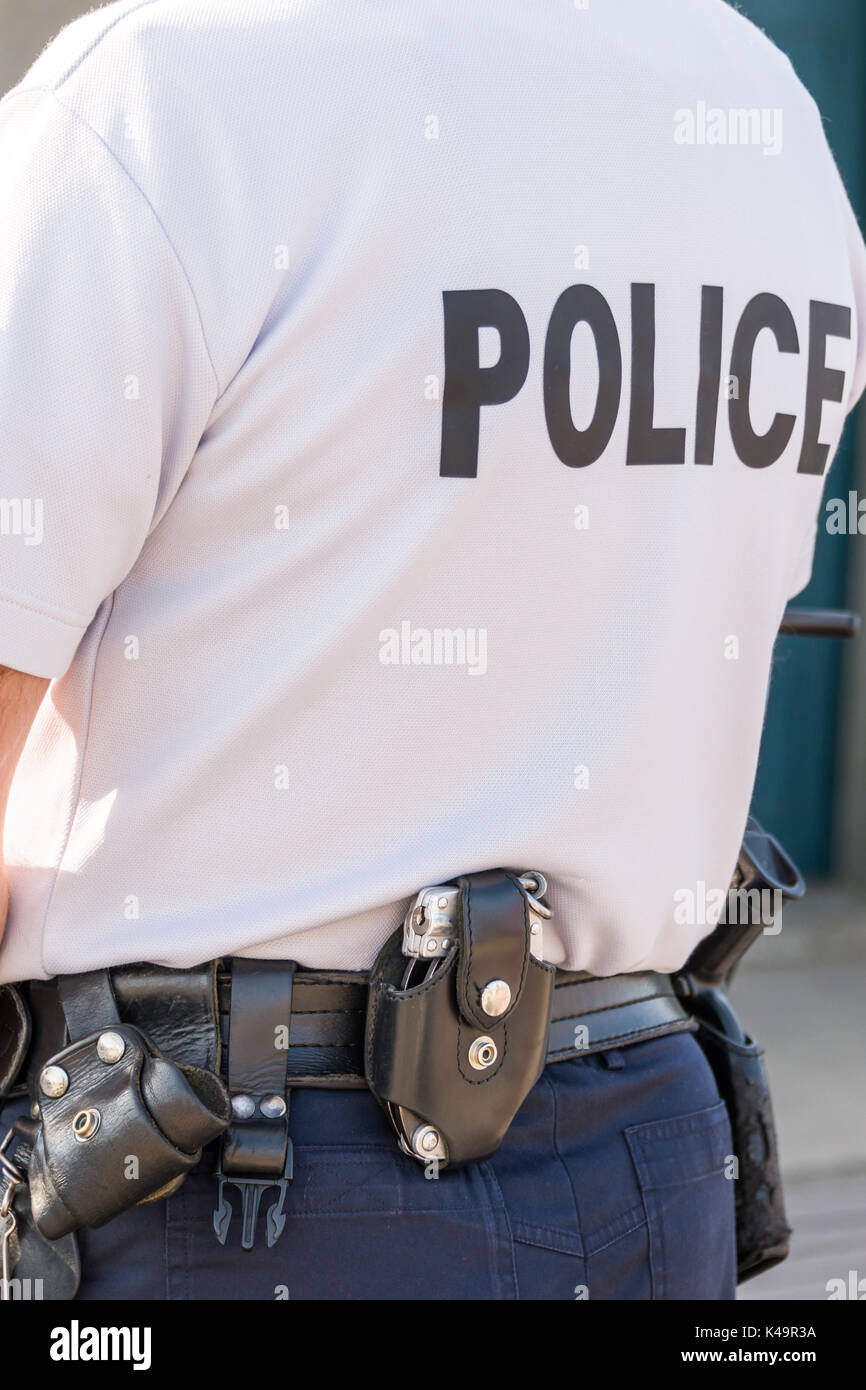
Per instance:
{"type": "Point", "coordinates": [20, 697]}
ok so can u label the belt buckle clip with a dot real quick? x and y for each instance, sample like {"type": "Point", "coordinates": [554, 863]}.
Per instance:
{"type": "Point", "coordinates": [251, 1190]}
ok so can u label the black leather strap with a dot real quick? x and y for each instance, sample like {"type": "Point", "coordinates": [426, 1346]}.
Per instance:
{"type": "Point", "coordinates": [88, 1003]}
{"type": "Point", "coordinates": [260, 1023]}
{"type": "Point", "coordinates": [495, 925]}
{"type": "Point", "coordinates": [590, 1015]}
{"type": "Point", "coordinates": [176, 1009]}
{"type": "Point", "coordinates": [260, 1016]}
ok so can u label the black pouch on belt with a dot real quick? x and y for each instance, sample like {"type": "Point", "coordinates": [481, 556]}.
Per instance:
{"type": "Point", "coordinates": [120, 1124]}
{"type": "Point", "coordinates": [765, 877]}
{"type": "Point", "coordinates": [738, 1066]}
{"type": "Point", "coordinates": [452, 1059]}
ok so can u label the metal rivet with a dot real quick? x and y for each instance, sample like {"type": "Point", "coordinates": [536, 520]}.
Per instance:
{"type": "Point", "coordinates": [110, 1047]}
{"type": "Point", "coordinates": [243, 1107]}
{"type": "Point", "coordinates": [534, 929]}
{"type": "Point", "coordinates": [482, 1053]}
{"type": "Point", "coordinates": [432, 945]}
{"type": "Point", "coordinates": [427, 1142]}
{"type": "Point", "coordinates": [443, 902]}
{"type": "Point", "coordinates": [495, 998]}
{"type": "Point", "coordinates": [274, 1107]}
{"type": "Point", "coordinates": [85, 1124]}
{"type": "Point", "coordinates": [53, 1082]}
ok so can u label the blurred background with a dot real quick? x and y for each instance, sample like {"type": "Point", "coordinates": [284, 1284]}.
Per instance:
{"type": "Point", "coordinates": [801, 993]}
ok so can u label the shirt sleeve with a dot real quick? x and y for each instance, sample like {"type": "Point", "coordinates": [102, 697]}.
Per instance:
{"type": "Point", "coordinates": [106, 383]}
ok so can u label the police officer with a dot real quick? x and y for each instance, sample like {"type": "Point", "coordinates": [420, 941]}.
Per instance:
{"type": "Point", "coordinates": [415, 417]}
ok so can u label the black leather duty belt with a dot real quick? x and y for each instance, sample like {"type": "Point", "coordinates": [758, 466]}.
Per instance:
{"type": "Point", "coordinates": [179, 1010]}
{"type": "Point", "coordinates": [326, 1036]}
{"type": "Point", "coordinates": [148, 1042]}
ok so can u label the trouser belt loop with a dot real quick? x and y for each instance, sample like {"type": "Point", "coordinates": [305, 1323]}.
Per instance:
{"type": "Point", "coordinates": [88, 1003]}
{"type": "Point", "coordinates": [256, 1149]}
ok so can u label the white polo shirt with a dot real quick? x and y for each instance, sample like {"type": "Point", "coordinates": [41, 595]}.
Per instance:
{"type": "Point", "coordinates": [414, 422]}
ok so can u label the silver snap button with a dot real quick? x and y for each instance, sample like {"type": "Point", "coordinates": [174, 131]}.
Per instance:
{"type": "Point", "coordinates": [243, 1107]}
{"type": "Point", "coordinates": [53, 1082]}
{"type": "Point", "coordinates": [273, 1107]}
{"type": "Point", "coordinates": [85, 1124]}
{"type": "Point", "coordinates": [482, 1053]}
{"type": "Point", "coordinates": [110, 1047]}
{"type": "Point", "coordinates": [427, 1142]}
{"type": "Point", "coordinates": [495, 998]}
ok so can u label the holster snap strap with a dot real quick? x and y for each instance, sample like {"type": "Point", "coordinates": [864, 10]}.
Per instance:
{"type": "Point", "coordinates": [495, 947]}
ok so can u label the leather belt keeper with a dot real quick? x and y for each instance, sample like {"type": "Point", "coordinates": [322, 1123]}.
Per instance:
{"type": "Point", "coordinates": [256, 1151]}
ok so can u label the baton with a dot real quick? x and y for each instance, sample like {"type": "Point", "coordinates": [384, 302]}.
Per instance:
{"type": "Point", "coordinates": [820, 622]}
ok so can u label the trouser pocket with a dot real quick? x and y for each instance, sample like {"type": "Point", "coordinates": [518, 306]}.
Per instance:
{"type": "Point", "coordinates": [686, 1172]}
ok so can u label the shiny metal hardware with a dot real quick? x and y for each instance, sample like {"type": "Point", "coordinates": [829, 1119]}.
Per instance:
{"type": "Point", "coordinates": [495, 998]}
{"type": "Point", "coordinates": [482, 1053]}
{"type": "Point", "coordinates": [429, 925]}
{"type": "Point", "coordinates": [427, 1142]}
{"type": "Point", "coordinates": [417, 1138]}
{"type": "Point", "coordinates": [534, 887]}
{"type": "Point", "coordinates": [110, 1047]}
{"type": "Point", "coordinates": [53, 1082]}
{"type": "Point", "coordinates": [8, 1226]}
{"type": "Point", "coordinates": [243, 1107]}
{"type": "Point", "coordinates": [11, 1178]}
{"type": "Point", "coordinates": [85, 1125]}
{"type": "Point", "coordinates": [273, 1107]}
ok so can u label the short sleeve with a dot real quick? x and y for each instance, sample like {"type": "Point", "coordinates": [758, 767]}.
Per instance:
{"type": "Point", "coordinates": [106, 383]}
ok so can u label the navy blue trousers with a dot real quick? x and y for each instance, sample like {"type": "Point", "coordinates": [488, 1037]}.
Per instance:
{"type": "Point", "coordinates": [611, 1185]}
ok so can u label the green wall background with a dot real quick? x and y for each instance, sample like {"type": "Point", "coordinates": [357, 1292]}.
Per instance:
{"type": "Point", "coordinates": [794, 793]}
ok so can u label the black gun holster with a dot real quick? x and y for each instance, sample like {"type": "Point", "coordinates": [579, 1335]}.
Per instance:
{"type": "Point", "coordinates": [738, 1066]}
{"type": "Point", "coordinates": [736, 1059]}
